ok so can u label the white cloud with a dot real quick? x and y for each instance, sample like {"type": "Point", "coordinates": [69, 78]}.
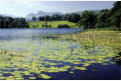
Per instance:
{"type": "Point", "coordinates": [10, 9]}
{"type": "Point", "coordinates": [22, 8]}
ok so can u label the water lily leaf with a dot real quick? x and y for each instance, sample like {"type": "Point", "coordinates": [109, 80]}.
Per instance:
{"type": "Point", "coordinates": [45, 76]}
{"type": "Point", "coordinates": [10, 78]}
{"type": "Point", "coordinates": [80, 68]}
{"type": "Point", "coordinates": [32, 78]}
{"type": "Point", "coordinates": [71, 72]}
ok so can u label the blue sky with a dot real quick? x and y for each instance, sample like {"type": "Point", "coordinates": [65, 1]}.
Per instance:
{"type": "Point", "coordinates": [22, 8]}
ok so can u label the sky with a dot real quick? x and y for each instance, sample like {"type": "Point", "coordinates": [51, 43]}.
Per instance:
{"type": "Point", "coordinates": [22, 8]}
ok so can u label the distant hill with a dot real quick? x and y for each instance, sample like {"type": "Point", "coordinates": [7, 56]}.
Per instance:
{"type": "Point", "coordinates": [6, 15]}
{"type": "Point", "coordinates": [80, 12]}
{"type": "Point", "coordinates": [41, 13]}
{"type": "Point", "coordinates": [95, 11]}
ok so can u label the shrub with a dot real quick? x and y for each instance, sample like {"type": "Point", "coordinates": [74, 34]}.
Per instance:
{"type": "Point", "coordinates": [46, 26]}
{"type": "Point", "coordinates": [99, 25]}
{"type": "Point", "coordinates": [63, 26]}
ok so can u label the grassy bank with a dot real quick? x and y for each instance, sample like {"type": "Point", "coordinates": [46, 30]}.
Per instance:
{"type": "Point", "coordinates": [53, 24]}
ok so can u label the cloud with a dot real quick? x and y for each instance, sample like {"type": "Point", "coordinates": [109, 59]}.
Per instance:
{"type": "Point", "coordinates": [22, 8]}
{"type": "Point", "coordinates": [24, 3]}
{"type": "Point", "coordinates": [10, 9]}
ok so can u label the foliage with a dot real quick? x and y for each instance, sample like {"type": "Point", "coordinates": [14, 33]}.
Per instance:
{"type": "Point", "coordinates": [103, 19]}
{"type": "Point", "coordinates": [9, 22]}
{"type": "Point", "coordinates": [72, 17]}
{"type": "Point", "coordinates": [55, 17]}
{"type": "Point", "coordinates": [34, 18]}
{"type": "Point", "coordinates": [63, 26]}
{"type": "Point", "coordinates": [116, 15]}
{"type": "Point", "coordinates": [88, 20]}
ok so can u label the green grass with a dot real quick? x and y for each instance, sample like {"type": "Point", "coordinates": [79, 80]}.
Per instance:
{"type": "Point", "coordinates": [53, 24]}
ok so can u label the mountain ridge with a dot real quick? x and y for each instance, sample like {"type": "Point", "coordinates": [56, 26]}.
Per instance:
{"type": "Point", "coordinates": [42, 13]}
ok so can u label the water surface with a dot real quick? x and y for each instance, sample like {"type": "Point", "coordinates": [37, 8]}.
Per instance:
{"type": "Point", "coordinates": [40, 54]}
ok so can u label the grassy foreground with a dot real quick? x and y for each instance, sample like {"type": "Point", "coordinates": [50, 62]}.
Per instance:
{"type": "Point", "coordinates": [53, 24]}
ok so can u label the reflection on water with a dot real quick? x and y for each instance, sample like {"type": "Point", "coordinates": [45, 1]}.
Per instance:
{"type": "Point", "coordinates": [26, 33]}
{"type": "Point", "coordinates": [39, 54]}
{"type": "Point", "coordinates": [117, 59]}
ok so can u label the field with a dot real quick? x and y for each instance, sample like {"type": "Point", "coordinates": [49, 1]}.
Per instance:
{"type": "Point", "coordinates": [53, 24]}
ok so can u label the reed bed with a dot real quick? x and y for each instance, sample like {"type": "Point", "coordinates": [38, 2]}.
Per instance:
{"type": "Point", "coordinates": [93, 38]}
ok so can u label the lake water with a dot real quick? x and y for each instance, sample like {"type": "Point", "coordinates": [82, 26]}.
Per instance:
{"type": "Point", "coordinates": [40, 54]}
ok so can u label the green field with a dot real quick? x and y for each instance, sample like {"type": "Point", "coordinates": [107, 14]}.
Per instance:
{"type": "Point", "coordinates": [53, 24]}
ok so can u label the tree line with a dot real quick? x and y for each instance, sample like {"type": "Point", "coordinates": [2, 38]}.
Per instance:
{"type": "Point", "coordinates": [72, 17]}
{"type": "Point", "coordinates": [9, 22]}
{"type": "Point", "coordinates": [105, 18]}
{"type": "Point", "coordinates": [89, 20]}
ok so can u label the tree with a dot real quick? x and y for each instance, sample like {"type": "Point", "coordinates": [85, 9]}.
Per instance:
{"type": "Point", "coordinates": [74, 17]}
{"type": "Point", "coordinates": [63, 26]}
{"type": "Point", "coordinates": [34, 18]}
{"type": "Point", "coordinates": [1, 22]}
{"type": "Point", "coordinates": [103, 19]}
{"type": "Point", "coordinates": [67, 17]}
{"type": "Point", "coordinates": [47, 18]}
{"type": "Point", "coordinates": [22, 23]}
{"type": "Point", "coordinates": [115, 15]}
{"type": "Point", "coordinates": [88, 19]}
{"type": "Point", "coordinates": [56, 17]}
{"type": "Point", "coordinates": [41, 18]}
{"type": "Point", "coordinates": [9, 22]}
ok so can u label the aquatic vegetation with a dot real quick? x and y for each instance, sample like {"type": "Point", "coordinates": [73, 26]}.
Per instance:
{"type": "Point", "coordinates": [19, 78]}
{"type": "Point", "coordinates": [2, 78]}
{"type": "Point", "coordinates": [30, 57]}
{"type": "Point", "coordinates": [86, 64]}
{"type": "Point", "coordinates": [71, 72]}
{"type": "Point", "coordinates": [80, 68]}
{"type": "Point", "coordinates": [10, 78]}
{"type": "Point", "coordinates": [89, 39]}
{"type": "Point", "coordinates": [27, 73]}
{"type": "Point", "coordinates": [45, 76]}
{"type": "Point", "coordinates": [32, 78]}
{"type": "Point", "coordinates": [10, 53]}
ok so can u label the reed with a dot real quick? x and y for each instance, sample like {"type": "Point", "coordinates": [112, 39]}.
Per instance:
{"type": "Point", "coordinates": [91, 38]}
